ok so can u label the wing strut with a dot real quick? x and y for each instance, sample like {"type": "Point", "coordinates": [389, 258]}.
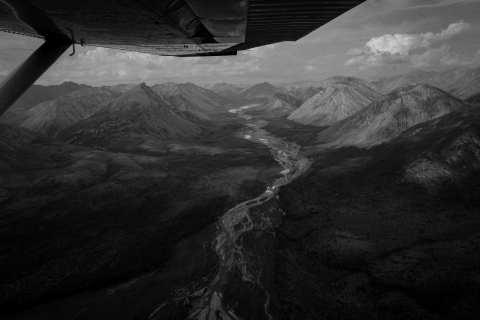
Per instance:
{"type": "Point", "coordinates": [22, 77]}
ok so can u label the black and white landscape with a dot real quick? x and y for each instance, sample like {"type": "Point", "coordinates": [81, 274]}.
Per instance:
{"type": "Point", "coordinates": [342, 198]}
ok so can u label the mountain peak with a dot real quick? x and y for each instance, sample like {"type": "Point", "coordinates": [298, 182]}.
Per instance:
{"type": "Point", "coordinates": [263, 84]}
{"type": "Point", "coordinates": [391, 115]}
{"type": "Point", "coordinates": [414, 87]}
{"type": "Point", "coordinates": [338, 101]}
{"type": "Point", "coordinates": [139, 93]}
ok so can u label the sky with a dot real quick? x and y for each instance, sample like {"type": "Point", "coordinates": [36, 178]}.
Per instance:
{"type": "Point", "coordinates": [377, 38]}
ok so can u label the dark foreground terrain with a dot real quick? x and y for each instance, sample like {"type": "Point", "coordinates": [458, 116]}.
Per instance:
{"type": "Point", "coordinates": [86, 224]}
{"type": "Point", "coordinates": [389, 232]}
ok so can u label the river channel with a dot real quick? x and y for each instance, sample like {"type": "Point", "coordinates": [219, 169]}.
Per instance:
{"type": "Point", "coordinates": [243, 234]}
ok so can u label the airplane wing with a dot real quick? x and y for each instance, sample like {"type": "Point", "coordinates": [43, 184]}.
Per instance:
{"type": "Point", "coordinates": [161, 27]}
{"type": "Point", "coordinates": [171, 27]}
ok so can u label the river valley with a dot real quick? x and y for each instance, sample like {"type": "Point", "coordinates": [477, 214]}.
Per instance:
{"type": "Point", "coordinates": [244, 236]}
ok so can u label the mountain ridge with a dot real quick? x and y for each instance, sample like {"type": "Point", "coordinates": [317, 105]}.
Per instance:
{"type": "Point", "coordinates": [336, 102]}
{"type": "Point", "coordinates": [50, 117]}
{"type": "Point", "coordinates": [138, 115]}
{"type": "Point", "coordinates": [390, 115]}
{"type": "Point", "coordinates": [207, 100]}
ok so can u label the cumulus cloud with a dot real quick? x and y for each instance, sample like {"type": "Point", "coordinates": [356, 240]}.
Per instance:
{"type": "Point", "coordinates": [355, 52]}
{"type": "Point", "coordinates": [154, 66]}
{"type": "Point", "coordinates": [416, 49]}
{"type": "Point", "coordinates": [102, 65]}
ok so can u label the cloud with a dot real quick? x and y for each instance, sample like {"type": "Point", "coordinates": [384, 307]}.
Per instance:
{"type": "Point", "coordinates": [210, 60]}
{"type": "Point", "coordinates": [459, 60]}
{"type": "Point", "coordinates": [415, 49]}
{"type": "Point", "coordinates": [102, 66]}
{"type": "Point", "coordinates": [355, 52]}
{"type": "Point", "coordinates": [154, 66]}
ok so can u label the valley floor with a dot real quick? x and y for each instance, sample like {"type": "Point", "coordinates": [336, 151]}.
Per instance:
{"type": "Point", "coordinates": [91, 234]}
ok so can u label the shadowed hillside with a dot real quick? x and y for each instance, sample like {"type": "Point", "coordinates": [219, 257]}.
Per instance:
{"type": "Point", "coordinates": [206, 100]}
{"type": "Point", "coordinates": [34, 95]}
{"type": "Point", "coordinates": [77, 223]}
{"type": "Point", "coordinates": [52, 116]}
{"type": "Point", "coordinates": [137, 115]}
{"type": "Point", "coordinates": [386, 231]}
{"type": "Point", "coordinates": [15, 148]}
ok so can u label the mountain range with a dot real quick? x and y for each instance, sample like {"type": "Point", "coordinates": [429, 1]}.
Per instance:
{"type": "Point", "coordinates": [303, 93]}
{"type": "Point", "coordinates": [260, 92]}
{"type": "Point", "coordinates": [280, 104]}
{"type": "Point", "coordinates": [137, 115]}
{"type": "Point", "coordinates": [89, 230]}
{"type": "Point", "coordinates": [461, 82]}
{"type": "Point", "coordinates": [34, 95]}
{"type": "Point", "coordinates": [206, 100]}
{"type": "Point", "coordinates": [71, 108]}
{"type": "Point", "coordinates": [391, 115]}
{"type": "Point", "coordinates": [342, 98]}
{"type": "Point", "coordinates": [226, 90]}
{"type": "Point", "coordinates": [52, 116]}
{"type": "Point", "coordinates": [120, 88]}
{"type": "Point", "coordinates": [37, 94]}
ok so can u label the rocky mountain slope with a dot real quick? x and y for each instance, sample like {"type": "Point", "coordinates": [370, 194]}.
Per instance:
{"type": "Point", "coordinates": [303, 93]}
{"type": "Point", "coordinates": [390, 115]}
{"type": "Point", "coordinates": [120, 88]}
{"type": "Point", "coordinates": [280, 104]}
{"type": "Point", "coordinates": [52, 116]}
{"type": "Point", "coordinates": [34, 95]}
{"type": "Point", "coordinates": [205, 100]}
{"type": "Point", "coordinates": [466, 85]}
{"type": "Point", "coordinates": [259, 91]}
{"type": "Point", "coordinates": [137, 115]}
{"type": "Point", "coordinates": [182, 106]}
{"type": "Point", "coordinates": [224, 88]}
{"type": "Point", "coordinates": [335, 103]}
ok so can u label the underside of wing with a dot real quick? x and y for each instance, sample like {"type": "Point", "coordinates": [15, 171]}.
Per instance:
{"type": "Point", "coordinates": [171, 27]}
